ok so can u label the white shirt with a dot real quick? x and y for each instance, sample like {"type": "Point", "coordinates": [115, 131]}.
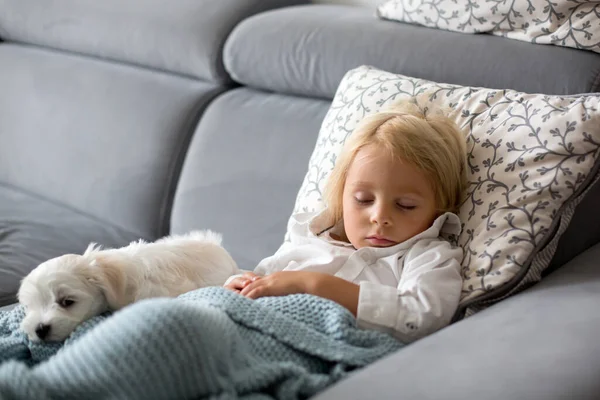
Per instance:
{"type": "Point", "coordinates": [408, 290]}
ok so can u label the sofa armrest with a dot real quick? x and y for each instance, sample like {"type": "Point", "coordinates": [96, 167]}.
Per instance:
{"type": "Point", "coordinates": [540, 344]}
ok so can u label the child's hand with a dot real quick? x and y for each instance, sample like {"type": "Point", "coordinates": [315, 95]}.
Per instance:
{"type": "Point", "coordinates": [240, 282]}
{"type": "Point", "coordinates": [316, 283]}
{"type": "Point", "coordinates": [279, 284]}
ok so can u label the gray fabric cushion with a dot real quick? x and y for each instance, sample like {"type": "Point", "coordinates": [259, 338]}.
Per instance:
{"type": "Point", "coordinates": [101, 137]}
{"type": "Point", "coordinates": [244, 166]}
{"type": "Point", "coordinates": [33, 229]}
{"type": "Point", "coordinates": [583, 230]}
{"type": "Point", "coordinates": [184, 36]}
{"type": "Point", "coordinates": [306, 50]}
{"type": "Point", "coordinates": [7, 308]}
{"type": "Point", "coordinates": [541, 344]}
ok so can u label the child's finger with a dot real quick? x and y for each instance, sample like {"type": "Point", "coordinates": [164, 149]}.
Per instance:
{"type": "Point", "coordinates": [245, 290]}
{"type": "Point", "coordinates": [254, 293]}
{"type": "Point", "coordinates": [249, 288]}
{"type": "Point", "coordinates": [237, 283]}
{"type": "Point", "coordinates": [251, 276]}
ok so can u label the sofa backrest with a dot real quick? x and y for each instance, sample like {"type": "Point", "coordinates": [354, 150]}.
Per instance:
{"type": "Point", "coordinates": [306, 50]}
{"type": "Point", "coordinates": [184, 37]}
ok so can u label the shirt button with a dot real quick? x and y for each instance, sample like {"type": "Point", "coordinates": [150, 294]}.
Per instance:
{"type": "Point", "coordinates": [377, 313]}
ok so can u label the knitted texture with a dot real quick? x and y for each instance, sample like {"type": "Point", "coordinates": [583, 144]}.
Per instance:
{"type": "Point", "coordinates": [209, 343]}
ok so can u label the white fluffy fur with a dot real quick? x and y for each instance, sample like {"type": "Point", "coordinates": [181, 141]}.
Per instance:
{"type": "Point", "coordinates": [102, 280]}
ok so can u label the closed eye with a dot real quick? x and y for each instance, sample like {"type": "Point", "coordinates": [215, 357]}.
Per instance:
{"type": "Point", "coordinates": [363, 202]}
{"type": "Point", "coordinates": [405, 207]}
{"type": "Point", "coordinates": [65, 302]}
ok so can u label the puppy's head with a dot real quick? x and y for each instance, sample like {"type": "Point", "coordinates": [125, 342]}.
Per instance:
{"type": "Point", "coordinates": [63, 292]}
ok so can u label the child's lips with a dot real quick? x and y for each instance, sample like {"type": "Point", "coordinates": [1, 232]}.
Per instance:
{"type": "Point", "coordinates": [380, 241]}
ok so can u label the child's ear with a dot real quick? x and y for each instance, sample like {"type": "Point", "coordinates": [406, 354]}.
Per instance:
{"type": "Point", "coordinates": [108, 275]}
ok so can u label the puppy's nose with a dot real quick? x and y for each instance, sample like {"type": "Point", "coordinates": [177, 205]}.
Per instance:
{"type": "Point", "coordinates": [42, 331]}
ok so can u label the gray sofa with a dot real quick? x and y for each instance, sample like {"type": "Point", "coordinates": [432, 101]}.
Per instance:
{"type": "Point", "coordinates": [122, 120]}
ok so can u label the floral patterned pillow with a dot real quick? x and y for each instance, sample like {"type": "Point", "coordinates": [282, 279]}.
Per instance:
{"type": "Point", "coordinates": [531, 158]}
{"type": "Point", "coordinates": [570, 23]}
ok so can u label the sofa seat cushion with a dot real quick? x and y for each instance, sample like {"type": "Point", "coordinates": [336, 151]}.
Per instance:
{"type": "Point", "coordinates": [8, 307]}
{"type": "Point", "coordinates": [306, 50]}
{"type": "Point", "coordinates": [183, 36]}
{"type": "Point", "coordinates": [34, 229]}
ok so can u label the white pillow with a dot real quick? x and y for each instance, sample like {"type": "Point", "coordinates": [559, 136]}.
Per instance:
{"type": "Point", "coordinates": [570, 23]}
{"type": "Point", "coordinates": [530, 159]}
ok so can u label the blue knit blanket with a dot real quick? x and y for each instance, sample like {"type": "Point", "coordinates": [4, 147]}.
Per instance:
{"type": "Point", "coordinates": [209, 343]}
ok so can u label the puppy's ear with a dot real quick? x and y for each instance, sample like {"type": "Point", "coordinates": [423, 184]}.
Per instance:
{"type": "Point", "coordinates": [108, 275]}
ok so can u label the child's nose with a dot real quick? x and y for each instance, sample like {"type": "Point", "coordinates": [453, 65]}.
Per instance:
{"type": "Point", "coordinates": [381, 215]}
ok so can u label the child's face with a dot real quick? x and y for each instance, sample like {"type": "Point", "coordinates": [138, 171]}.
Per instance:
{"type": "Point", "coordinates": [386, 201]}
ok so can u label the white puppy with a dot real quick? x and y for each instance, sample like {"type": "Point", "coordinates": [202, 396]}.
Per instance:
{"type": "Point", "coordinates": [63, 292]}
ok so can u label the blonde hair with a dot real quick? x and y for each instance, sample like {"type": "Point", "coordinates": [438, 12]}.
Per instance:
{"type": "Point", "coordinates": [429, 140]}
